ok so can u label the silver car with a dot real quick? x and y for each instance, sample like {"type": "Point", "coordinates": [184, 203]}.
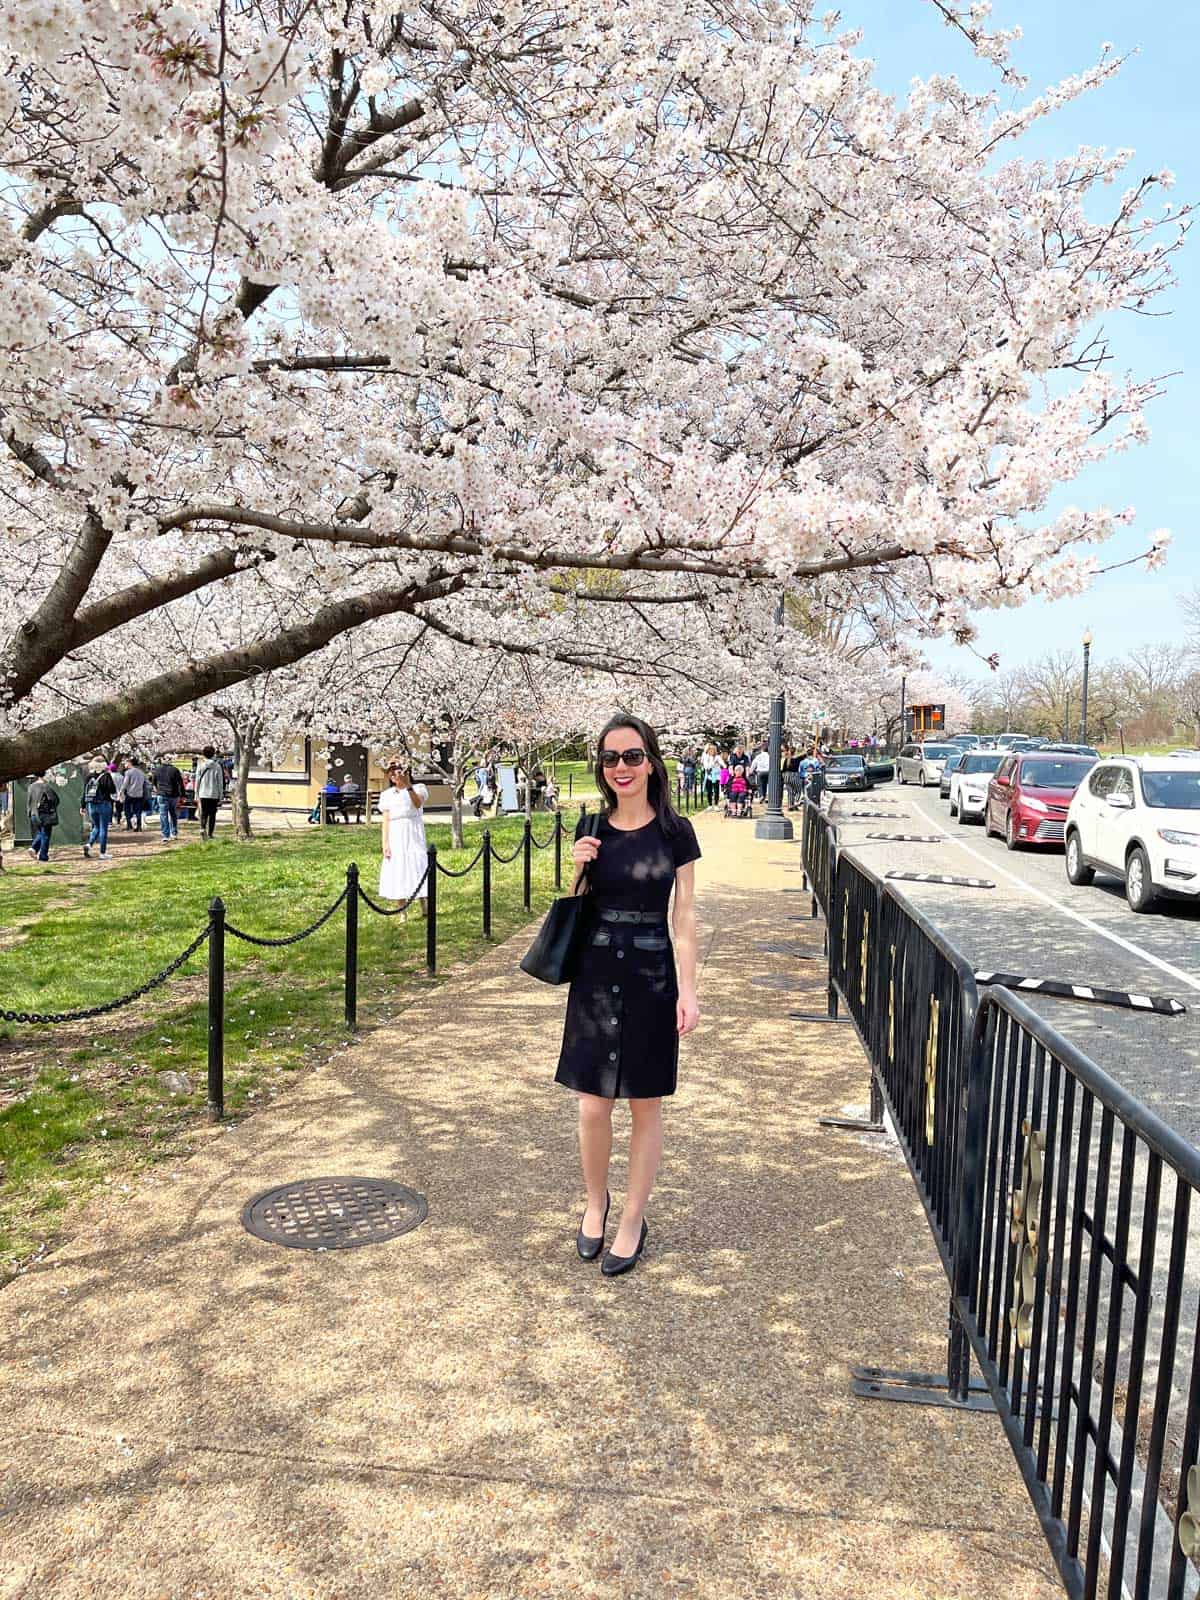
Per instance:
{"type": "Point", "coordinates": [923, 763]}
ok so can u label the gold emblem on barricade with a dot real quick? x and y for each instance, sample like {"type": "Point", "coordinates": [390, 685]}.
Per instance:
{"type": "Point", "coordinates": [1189, 1522]}
{"type": "Point", "coordinates": [1026, 1204]}
{"type": "Point", "coordinates": [931, 1055]}
{"type": "Point", "coordinates": [862, 975]}
{"type": "Point", "coordinates": [891, 1042]}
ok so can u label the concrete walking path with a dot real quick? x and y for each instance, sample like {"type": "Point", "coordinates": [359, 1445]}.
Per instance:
{"type": "Point", "coordinates": [469, 1410]}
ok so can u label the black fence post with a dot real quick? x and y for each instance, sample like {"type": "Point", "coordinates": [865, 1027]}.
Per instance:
{"type": "Point", "coordinates": [352, 945]}
{"type": "Point", "coordinates": [527, 864]}
{"type": "Point", "coordinates": [431, 911]}
{"type": "Point", "coordinates": [216, 1011]}
{"type": "Point", "coordinates": [558, 849]}
{"type": "Point", "coordinates": [487, 883]}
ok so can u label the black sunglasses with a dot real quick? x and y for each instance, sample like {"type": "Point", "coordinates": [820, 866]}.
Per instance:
{"type": "Point", "coordinates": [631, 758]}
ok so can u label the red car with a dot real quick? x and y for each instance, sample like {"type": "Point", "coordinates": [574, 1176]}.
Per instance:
{"type": "Point", "coordinates": [1028, 796]}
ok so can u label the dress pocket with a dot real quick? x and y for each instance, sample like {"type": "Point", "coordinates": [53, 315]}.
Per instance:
{"type": "Point", "coordinates": [601, 937]}
{"type": "Point", "coordinates": [656, 942]}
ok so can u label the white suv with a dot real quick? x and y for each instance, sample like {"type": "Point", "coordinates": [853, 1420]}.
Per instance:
{"type": "Point", "coordinates": [1138, 818]}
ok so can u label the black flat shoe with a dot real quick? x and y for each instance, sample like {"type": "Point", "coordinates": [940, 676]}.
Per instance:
{"type": "Point", "coordinates": [589, 1249]}
{"type": "Point", "coordinates": [613, 1266]}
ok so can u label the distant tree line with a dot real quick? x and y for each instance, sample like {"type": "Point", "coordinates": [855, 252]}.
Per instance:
{"type": "Point", "coordinates": [1149, 695]}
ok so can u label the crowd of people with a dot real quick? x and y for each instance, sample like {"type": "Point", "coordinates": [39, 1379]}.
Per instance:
{"type": "Point", "coordinates": [126, 791]}
{"type": "Point", "coordinates": [734, 779]}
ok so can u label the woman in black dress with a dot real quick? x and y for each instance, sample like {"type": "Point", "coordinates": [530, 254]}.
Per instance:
{"type": "Point", "coordinates": [628, 1004]}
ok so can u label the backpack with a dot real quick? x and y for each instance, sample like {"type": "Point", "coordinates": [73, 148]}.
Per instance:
{"type": "Point", "coordinates": [47, 810]}
{"type": "Point", "coordinates": [93, 789]}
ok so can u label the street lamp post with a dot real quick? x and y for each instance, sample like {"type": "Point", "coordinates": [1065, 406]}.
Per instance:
{"type": "Point", "coordinates": [1087, 654]}
{"type": "Point", "coordinates": [773, 824]}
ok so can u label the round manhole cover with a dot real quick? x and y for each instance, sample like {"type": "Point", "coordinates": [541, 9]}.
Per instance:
{"type": "Point", "coordinates": [334, 1213]}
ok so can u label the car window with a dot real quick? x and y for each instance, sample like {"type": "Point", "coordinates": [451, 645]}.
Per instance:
{"type": "Point", "coordinates": [854, 763]}
{"type": "Point", "coordinates": [1102, 780]}
{"type": "Point", "coordinates": [1053, 772]}
{"type": "Point", "coordinates": [939, 752]}
{"type": "Point", "coordinates": [1123, 784]}
{"type": "Point", "coordinates": [1004, 770]}
{"type": "Point", "coordinates": [981, 763]}
{"type": "Point", "coordinates": [1175, 791]}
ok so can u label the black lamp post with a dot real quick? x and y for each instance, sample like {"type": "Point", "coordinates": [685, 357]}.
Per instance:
{"type": "Point", "coordinates": [1087, 655]}
{"type": "Point", "coordinates": [773, 824]}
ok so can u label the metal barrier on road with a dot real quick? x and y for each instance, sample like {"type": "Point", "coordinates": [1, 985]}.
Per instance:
{"type": "Point", "coordinates": [1066, 1218]}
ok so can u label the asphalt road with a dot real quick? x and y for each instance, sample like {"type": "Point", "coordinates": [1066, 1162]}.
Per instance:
{"type": "Point", "coordinates": [1036, 924]}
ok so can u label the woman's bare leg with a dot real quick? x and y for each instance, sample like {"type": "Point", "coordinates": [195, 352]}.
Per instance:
{"type": "Point", "coordinates": [645, 1151]}
{"type": "Point", "coordinates": [595, 1148]}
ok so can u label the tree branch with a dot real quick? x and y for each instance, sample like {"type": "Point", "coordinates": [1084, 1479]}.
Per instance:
{"type": "Point", "coordinates": [105, 720]}
{"type": "Point", "coordinates": [139, 598]}
{"type": "Point", "coordinates": [542, 560]}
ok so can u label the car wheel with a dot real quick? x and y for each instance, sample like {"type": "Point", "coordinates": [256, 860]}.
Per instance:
{"type": "Point", "coordinates": [899, 774]}
{"type": "Point", "coordinates": [953, 809]}
{"type": "Point", "coordinates": [1139, 886]}
{"type": "Point", "coordinates": [987, 822]}
{"type": "Point", "coordinates": [1078, 872]}
{"type": "Point", "coordinates": [921, 778]}
{"type": "Point", "coordinates": [1010, 833]}
{"type": "Point", "coordinates": [963, 819]}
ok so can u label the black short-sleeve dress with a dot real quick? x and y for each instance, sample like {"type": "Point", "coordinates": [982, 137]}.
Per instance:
{"type": "Point", "coordinates": [620, 1040]}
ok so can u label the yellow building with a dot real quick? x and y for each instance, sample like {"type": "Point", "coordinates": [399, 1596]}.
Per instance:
{"type": "Point", "coordinates": [293, 783]}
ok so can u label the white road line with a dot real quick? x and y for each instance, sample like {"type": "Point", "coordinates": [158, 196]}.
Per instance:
{"type": "Point", "coordinates": [1075, 916]}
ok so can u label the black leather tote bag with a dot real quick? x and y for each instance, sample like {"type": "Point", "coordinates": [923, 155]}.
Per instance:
{"type": "Point", "coordinates": [554, 954]}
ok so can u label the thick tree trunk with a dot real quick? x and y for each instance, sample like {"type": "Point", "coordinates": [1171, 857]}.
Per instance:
{"type": "Point", "coordinates": [243, 755]}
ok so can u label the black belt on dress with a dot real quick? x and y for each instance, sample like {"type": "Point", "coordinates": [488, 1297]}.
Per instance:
{"type": "Point", "coordinates": [611, 914]}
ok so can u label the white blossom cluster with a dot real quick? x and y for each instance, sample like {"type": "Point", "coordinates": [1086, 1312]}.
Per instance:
{"type": "Point", "coordinates": [307, 324]}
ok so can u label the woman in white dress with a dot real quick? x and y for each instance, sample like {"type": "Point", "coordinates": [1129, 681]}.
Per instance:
{"type": "Point", "coordinates": [404, 860]}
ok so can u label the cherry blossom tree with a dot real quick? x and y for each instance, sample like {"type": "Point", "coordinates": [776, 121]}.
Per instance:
{"type": "Point", "coordinates": [425, 312]}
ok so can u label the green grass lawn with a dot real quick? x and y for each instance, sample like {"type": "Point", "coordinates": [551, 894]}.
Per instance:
{"type": "Point", "coordinates": [81, 1105]}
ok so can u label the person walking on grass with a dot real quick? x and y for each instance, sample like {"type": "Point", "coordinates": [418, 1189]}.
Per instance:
{"type": "Point", "coordinates": [632, 998]}
{"type": "Point", "coordinates": [43, 815]}
{"type": "Point", "coordinates": [210, 790]}
{"type": "Point", "coordinates": [168, 785]}
{"type": "Point", "coordinates": [135, 790]}
{"type": "Point", "coordinates": [99, 792]}
{"type": "Point", "coordinates": [402, 807]}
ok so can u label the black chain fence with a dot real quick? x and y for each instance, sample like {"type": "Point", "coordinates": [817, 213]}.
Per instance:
{"type": "Point", "coordinates": [83, 1015]}
{"type": "Point", "coordinates": [291, 938]}
{"type": "Point", "coordinates": [217, 927]}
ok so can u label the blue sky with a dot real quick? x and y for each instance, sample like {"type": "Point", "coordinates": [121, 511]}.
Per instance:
{"type": "Point", "coordinates": [1151, 106]}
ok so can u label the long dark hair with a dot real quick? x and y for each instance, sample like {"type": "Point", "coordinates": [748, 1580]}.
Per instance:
{"type": "Point", "coordinates": [658, 790]}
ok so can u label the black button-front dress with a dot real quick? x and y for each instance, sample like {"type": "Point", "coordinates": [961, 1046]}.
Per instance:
{"type": "Point", "coordinates": [620, 1039]}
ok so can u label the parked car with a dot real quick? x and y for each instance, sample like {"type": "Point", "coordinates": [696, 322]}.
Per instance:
{"type": "Point", "coordinates": [923, 763]}
{"type": "Point", "coordinates": [1138, 817]}
{"type": "Point", "coordinates": [1006, 741]}
{"type": "Point", "coordinates": [966, 741]}
{"type": "Point", "coordinates": [952, 766]}
{"type": "Point", "coordinates": [847, 772]}
{"type": "Point", "coordinates": [969, 783]}
{"type": "Point", "coordinates": [1072, 750]}
{"type": "Point", "coordinates": [1028, 796]}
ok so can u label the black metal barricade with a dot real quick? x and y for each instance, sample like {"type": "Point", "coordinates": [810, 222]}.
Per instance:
{"type": "Point", "coordinates": [818, 849]}
{"type": "Point", "coordinates": [1080, 1299]}
{"type": "Point", "coordinates": [913, 1001]}
{"type": "Point", "coordinates": [1066, 1217]}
